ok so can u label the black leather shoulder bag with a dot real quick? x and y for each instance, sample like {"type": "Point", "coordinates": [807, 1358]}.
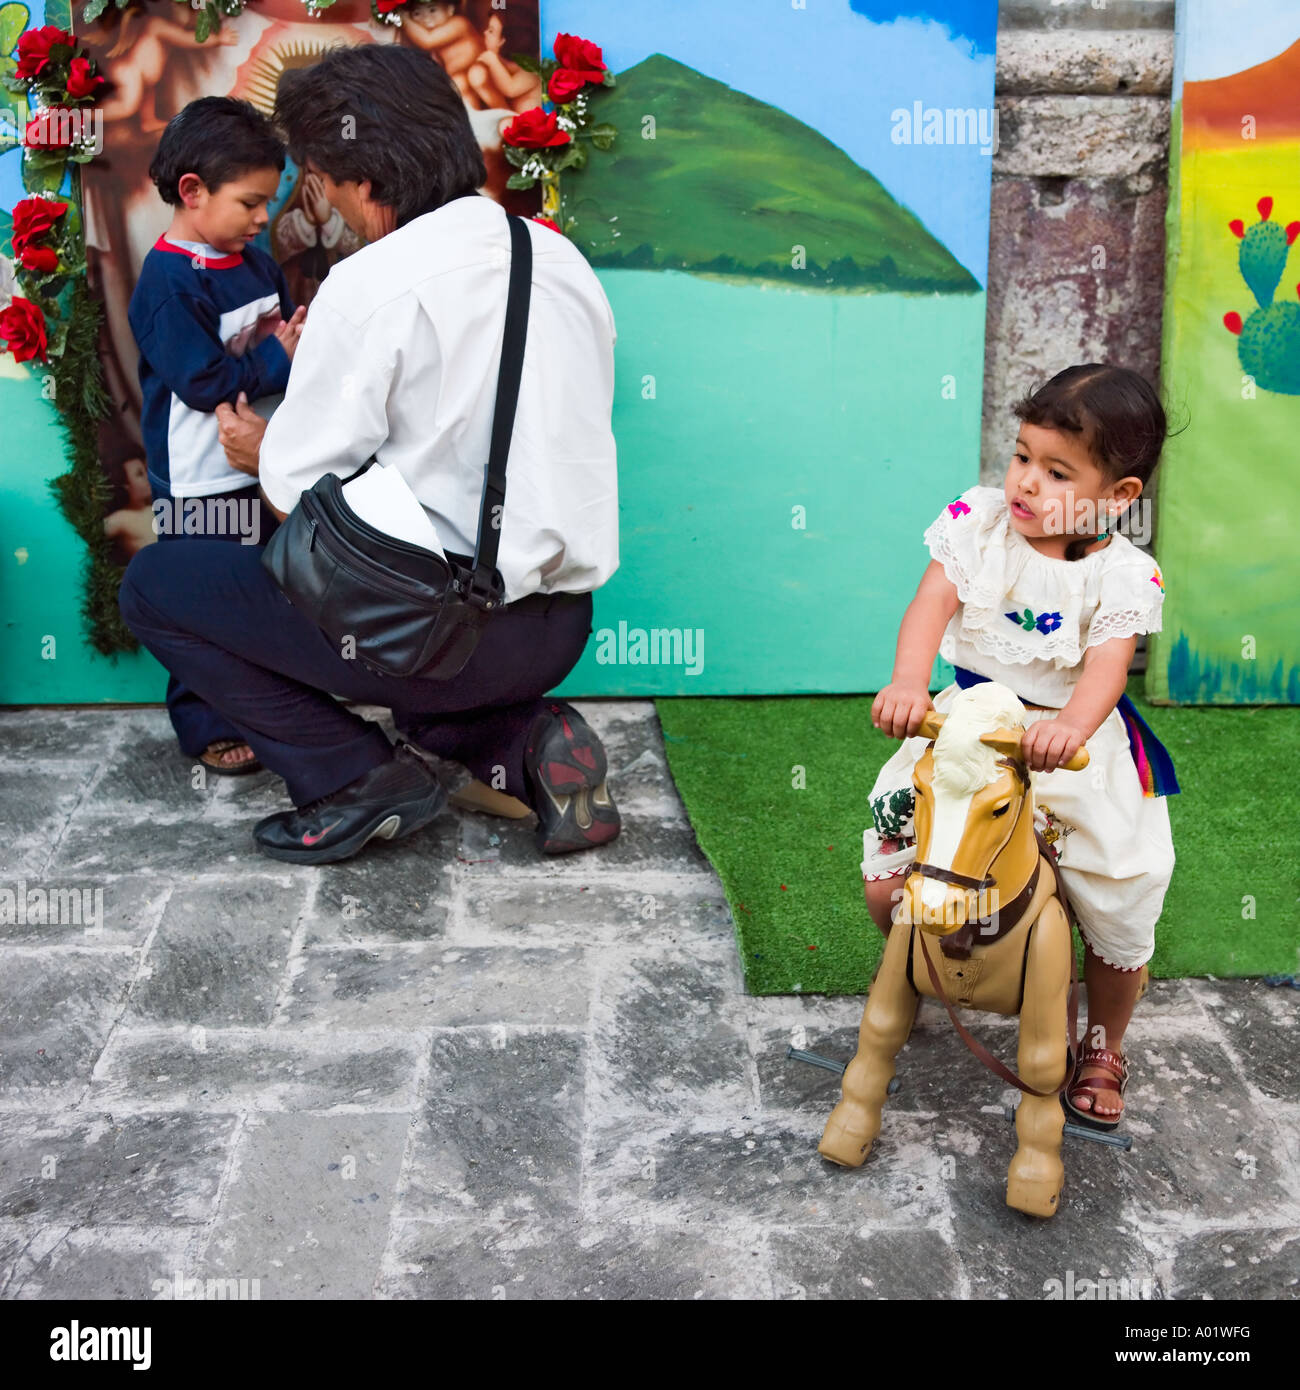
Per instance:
{"type": "Point", "coordinates": [407, 611]}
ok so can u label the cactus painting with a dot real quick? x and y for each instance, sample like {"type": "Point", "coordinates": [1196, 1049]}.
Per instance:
{"type": "Point", "coordinates": [1268, 344]}
{"type": "Point", "coordinates": [1228, 489]}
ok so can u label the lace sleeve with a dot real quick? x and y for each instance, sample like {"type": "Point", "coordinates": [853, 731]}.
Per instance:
{"type": "Point", "coordinates": [1131, 599]}
{"type": "Point", "coordinates": [956, 538]}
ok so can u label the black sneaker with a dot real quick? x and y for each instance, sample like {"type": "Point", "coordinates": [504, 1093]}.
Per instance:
{"type": "Point", "coordinates": [390, 801]}
{"type": "Point", "coordinates": [566, 767]}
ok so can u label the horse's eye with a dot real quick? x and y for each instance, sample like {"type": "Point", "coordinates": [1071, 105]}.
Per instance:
{"type": "Point", "coordinates": [1002, 810]}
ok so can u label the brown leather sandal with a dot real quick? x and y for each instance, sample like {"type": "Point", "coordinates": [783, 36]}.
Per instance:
{"type": "Point", "coordinates": [211, 758]}
{"type": "Point", "coordinates": [1116, 1066]}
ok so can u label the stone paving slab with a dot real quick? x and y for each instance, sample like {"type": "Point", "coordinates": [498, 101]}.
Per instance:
{"type": "Point", "coordinates": [550, 1260]}
{"type": "Point", "coordinates": [307, 1209]}
{"type": "Point", "coordinates": [57, 1009]}
{"type": "Point", "coordinates": [219, 955]}
{"type": "Point", "coordinates": [386, 986]}
{"type": "Point", "coordinates": [543, 1075]}
{"type": "Point", "coordinates": [95, 1262]}
{"type": "Point", "coordinates": [91, 1168]}
{"type": "Point", "coordinates": [501, 1130]}
{"type": "Point", "coordinates": [226, 1071]}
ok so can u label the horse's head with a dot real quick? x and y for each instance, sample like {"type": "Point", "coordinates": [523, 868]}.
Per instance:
{"type": "Point", "coordinates": [972, 799]}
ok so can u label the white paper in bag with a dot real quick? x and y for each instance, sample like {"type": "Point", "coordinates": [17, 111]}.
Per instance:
{"type": "Point", "coordinates": [382, 497]}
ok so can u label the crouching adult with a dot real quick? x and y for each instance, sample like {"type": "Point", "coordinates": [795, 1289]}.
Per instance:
{"type": "Point", "coordinates": [398, 359]}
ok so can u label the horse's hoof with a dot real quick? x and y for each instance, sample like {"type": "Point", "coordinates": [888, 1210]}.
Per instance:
{"type": "Point", "coordinates": [1035, 1196]}
{"type": "Point", "coordinates": [844, 1143]}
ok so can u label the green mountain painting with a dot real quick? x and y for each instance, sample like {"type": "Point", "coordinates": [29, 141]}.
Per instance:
{"type": "Point", "coordinates": [732, 186]}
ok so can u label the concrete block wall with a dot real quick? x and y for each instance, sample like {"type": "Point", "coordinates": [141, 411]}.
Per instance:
{"type": "Point", "coordinates": [1077, 241]}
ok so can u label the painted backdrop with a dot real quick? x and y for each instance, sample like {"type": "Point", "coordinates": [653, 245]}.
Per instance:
{"type": "Point", "coordinates": [156, 64]}
{"type": "Point", "coordinates": [1229, 493]}
{"type": "Point", "coordinates": [792, 228]}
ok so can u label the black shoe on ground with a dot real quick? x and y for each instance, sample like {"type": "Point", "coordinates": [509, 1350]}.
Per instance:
{"type": "Point", "coordinates": [389, 802]}
{"type": "Point", "coordinates": [566, 767]}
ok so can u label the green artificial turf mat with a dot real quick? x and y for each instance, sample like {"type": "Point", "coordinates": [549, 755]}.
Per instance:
{"type": "Point", "coordinates": [789, 857]}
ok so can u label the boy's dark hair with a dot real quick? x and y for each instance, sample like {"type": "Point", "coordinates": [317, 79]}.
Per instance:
{"type": "Point", "coordinates": [386, 113]}
{"type": "Point", "coordinates": [217, 138]}
{"type": "Point", "coordinates": [1115, 412]}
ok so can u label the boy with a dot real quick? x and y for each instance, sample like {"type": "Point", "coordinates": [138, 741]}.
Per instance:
{"type": "Point", "coordinates": [212, 317]}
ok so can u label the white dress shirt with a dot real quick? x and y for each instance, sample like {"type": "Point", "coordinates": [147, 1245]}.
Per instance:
{"type": "Point", "coordinates": [399, 357]}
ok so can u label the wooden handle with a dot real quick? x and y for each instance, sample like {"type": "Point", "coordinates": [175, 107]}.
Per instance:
{"type": "Point", "coordinates": [1008, 741]}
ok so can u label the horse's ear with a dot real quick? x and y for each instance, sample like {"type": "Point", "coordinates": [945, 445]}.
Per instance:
{"type": "Point", "coordinates": [931, 723]}
{"type": "Point", "coordinates": [1007, 742]}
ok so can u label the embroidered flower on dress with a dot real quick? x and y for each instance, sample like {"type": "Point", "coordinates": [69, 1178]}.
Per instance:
{"type": "Point", "coordinates": [958, 508]}
{"type": "Point", "coordinates": [1044, 622]}
{"type": "Point", "coordinates": [1157, 580]}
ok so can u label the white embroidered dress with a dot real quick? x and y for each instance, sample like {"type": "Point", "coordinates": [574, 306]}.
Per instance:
{"type": "Point", "coordinates": [1025, 620]}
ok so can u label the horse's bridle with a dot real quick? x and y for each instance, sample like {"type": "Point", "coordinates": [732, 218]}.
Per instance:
{"type": "Point", "coordinates": [978, 885]}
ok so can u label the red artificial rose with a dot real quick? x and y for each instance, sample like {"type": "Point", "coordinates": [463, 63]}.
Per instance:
{"type": "Point", "coordinates": [546, 222]}
{"type": "Point", "coordinates": [50, 129]}
{"type": "Point", "coordinates": [564, 85]}
{"type": "Point", "coordinates": [387, 6]}
{"type": "Point", "coordinates": [34, 49]}
{"type": "Point", "coordinates": [38, 258]}
{"type": "Point", "coordinates": [580, 57]}
{"type": "Point", "coordinates": [33, 217]}
{"type": "Point", "coordinates": [535, 130]}
{"type": "Point", "coordinates": [82, 79]}
{"type": "Point", "coordinates": [22, 326]}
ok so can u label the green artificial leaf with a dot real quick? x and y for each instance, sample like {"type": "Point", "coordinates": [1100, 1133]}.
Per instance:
{"type": "Point", "coordinates": [42, 173]}
{"type": "Point", "coordinates": [609, 80]}
{"type": "Point", "coordinates": [93, 10]}
{"type": "Point", "coordinates": [602, 135]}
{"type": "Point", "coordinates": [520, 181]}
{"type": "Point", "coordinates": [575, 157]}
{"type": "Point", "coordinates": [516, 156]}
{"type": "Point", "coordinates": [56, 335]}
{"type": "Point", "coordinates": [15, 84]}
{"type": "Point", "coordinates": [526, 61]}
{"type": "Point", "coordinates": [13, 20]}
{"type": "Point", "coordinates": [203, 26]}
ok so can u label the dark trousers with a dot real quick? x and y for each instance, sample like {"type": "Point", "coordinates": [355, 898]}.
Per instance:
{"type": "Point", "coordinates": [214, 617]}
{"type": "Point", "coordinates": [196, 723]}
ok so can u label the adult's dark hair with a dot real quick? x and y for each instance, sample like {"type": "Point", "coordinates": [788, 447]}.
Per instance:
{"type": "Point", "coordinates": [1116, 414]}
{"type": "Point", "coordinates": [386, 113]}
{"type": "Point", "coordinates": [217, 138]}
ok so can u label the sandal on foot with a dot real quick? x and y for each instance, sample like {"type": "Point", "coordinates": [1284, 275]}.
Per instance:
{"type": "Point", "coordinates": [1116, 1079]}
{"type": "Point", "coordinates": [211, 758]}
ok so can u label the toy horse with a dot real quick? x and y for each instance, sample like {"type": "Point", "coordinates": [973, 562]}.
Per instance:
{"type": "Point", "coordinates": [984, 883]}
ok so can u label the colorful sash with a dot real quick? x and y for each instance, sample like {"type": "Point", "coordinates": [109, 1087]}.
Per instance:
{"type": "Point", "coordinates": [1155, 768]}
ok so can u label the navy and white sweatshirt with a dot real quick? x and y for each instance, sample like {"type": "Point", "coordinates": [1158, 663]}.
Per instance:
{"type": "Point", "coordinates": [203, 322]}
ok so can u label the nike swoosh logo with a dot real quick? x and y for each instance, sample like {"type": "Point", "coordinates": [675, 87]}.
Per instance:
{"type": "Point", "coordinates": [312, 839]}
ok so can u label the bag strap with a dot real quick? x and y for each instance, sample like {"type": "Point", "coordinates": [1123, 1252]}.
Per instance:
{"type": "Point", "coordinates": [503, 417]}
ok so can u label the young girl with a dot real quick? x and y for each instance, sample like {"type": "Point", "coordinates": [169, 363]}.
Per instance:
{"type": "Point", "coordinates": [1029, 586]}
